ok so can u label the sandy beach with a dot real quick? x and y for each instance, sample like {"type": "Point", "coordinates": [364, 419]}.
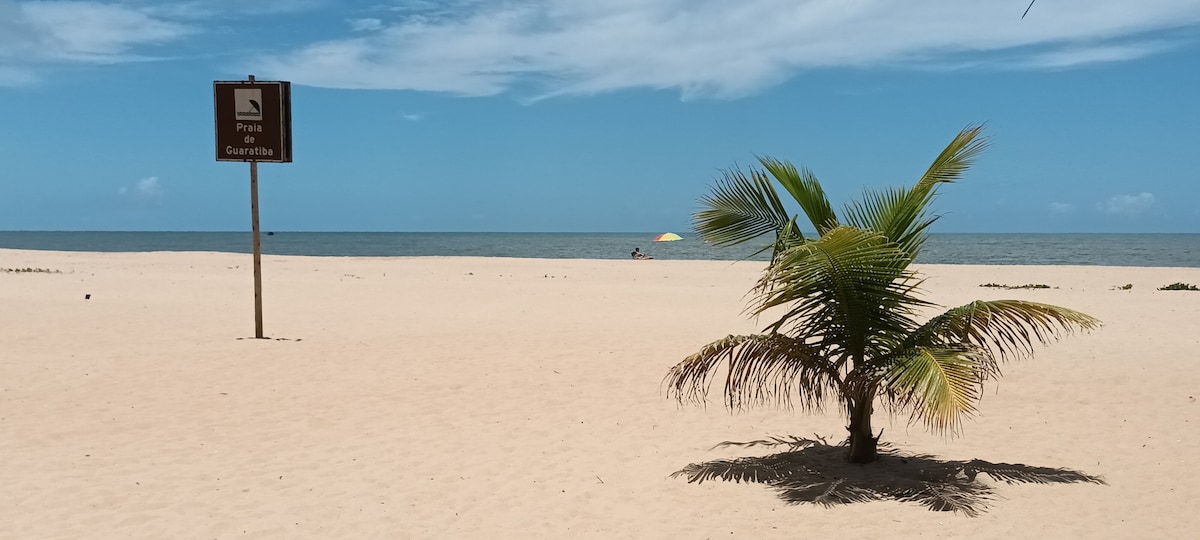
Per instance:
{"type": "Point", "coordinates": [452, 397]}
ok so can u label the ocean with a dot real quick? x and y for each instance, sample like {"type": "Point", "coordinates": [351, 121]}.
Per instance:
{"type": "Point", "coordinates": [1173, 250]}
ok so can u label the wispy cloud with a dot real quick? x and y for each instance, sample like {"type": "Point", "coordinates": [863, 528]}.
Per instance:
{"type": "Point", "coordinates": [80, 31]}
{"type": "Point", "coordinates": [34, 35]}
{"type": "Point", "coordinates": [1061, 208]}
{"type": "Point", "coordinates": [715, 48]}
{"type": "Point", "coordinates": [1067, 57]}
{"type": "Point", "coordinates": [366, 25]}
{"type": "Point", "coordinates": [16, 76]}
{"type": "Point", "coordinates": [1127, 205]}
{"type": "Point", "coordinates": [411, 117]}
{"type": "Point", "coordinates": [539, 48]}
{"type": "Point", "coordinates": [218, 9]}
{"type": "Point", "coordinates": [146, 190]}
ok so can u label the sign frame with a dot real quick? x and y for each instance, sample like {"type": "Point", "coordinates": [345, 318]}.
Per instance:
{"type": "Point", "coordinates": [252, 121]}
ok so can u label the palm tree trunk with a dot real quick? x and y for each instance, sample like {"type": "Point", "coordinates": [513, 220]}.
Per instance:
{"type": "Point", "coordinates": [863, 443]}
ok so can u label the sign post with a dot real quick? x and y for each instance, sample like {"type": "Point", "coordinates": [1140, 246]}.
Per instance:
{"type": "Point", "coordinates": [258, 327]}
{"type": "Point", "coordinates": [254, 123]}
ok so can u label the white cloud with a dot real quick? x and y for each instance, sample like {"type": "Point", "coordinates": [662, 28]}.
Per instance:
{"type": "Point", "coordinates": [16, 76]}
{"type": "Point", "coordinates": [215, 9]}
{"type": "Point", "coordinates": [701, 48]}
{"type": "Point", "coordinates": [716, 48]}
{"type": "Point", "coordinates": [1061, 208]}
{"type": "Point", "coordinates": [1077, 56]}
{"type": "Point", "coordinates": [1127, 205]}
{"type": "Point", "coordinates": [37, 35]}
{"type": "Point", "coordinates": [412, 117]}
{"type": "Point", "coordinates": [145, 190]}
{"type": "Point", "coordinates": [365, 25]}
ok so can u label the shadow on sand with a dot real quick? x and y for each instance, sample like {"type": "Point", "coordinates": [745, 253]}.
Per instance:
{"type": "Point", "coordinates": [813, 471]}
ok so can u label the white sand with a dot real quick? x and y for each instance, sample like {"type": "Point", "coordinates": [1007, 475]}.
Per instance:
{"type": "Point", "coordinates": [520, 398]}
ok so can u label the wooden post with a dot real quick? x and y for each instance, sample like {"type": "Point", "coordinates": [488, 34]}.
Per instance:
{"type": "Point", "coordinates": [258, 318]}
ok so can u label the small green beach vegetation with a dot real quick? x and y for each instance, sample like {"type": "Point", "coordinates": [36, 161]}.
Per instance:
{"type": "Point", "coordinates": [1179, 286]}
{"type": "Point", "coordinates": [848, 334]}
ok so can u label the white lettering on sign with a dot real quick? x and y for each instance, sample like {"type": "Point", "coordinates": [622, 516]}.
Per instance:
{"type": "Point", "coordinates": [249, 128]}
{"type": "Point", "coordinates": [257, 151]}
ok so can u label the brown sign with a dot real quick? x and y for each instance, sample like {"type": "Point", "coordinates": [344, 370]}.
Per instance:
{"type": "Point", "coordinates": [254, 120]}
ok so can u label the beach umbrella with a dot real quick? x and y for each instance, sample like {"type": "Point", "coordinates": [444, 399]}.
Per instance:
{"type": "Point", "coordinates": [667, 237]}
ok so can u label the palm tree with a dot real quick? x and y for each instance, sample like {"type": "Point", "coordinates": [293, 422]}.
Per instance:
{"type": "Point", "coordinates": [848, 332]}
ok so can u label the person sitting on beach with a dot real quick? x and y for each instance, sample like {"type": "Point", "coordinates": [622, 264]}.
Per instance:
{"type": "Point", "coordinates": [637, 254]}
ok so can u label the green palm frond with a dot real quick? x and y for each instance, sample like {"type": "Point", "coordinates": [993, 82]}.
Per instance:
{"type": "Point", "coordinates": [900, 213]}
{"type": "Point", "coordinates": [788, 237]}
{"type": "Point", "coordinates": [1009, 328]}
{"type": "Point", "coordinates": [769, 369]}
{"type": "Point", "coordinates": [807, 191]}
{"type": "Point", "coordinates": [850, 286]}
{"type": "Point", "coordinates": [939, 385]}
{"type": "Point", "coordinates": [740, 208]}
{"type": "Point", "coordinates": [956, 158]}
{"type": "Point", "coordinates": [897, 213]}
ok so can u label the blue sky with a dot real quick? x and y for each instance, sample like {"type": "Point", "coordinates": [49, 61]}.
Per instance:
{"type": "Point", "coordinates": [611, 115]}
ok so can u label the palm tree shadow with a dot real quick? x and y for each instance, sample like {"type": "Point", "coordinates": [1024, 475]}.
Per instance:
{"type": "Point", "coordinates": [813, 471]}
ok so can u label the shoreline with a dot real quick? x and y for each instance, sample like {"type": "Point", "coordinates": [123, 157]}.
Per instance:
{"type": "Point", "coordinates": [1094, 249]}
{"type": "Point", "coordinates": [31, 252]}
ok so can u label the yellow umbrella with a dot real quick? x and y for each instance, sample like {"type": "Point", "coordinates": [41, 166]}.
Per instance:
{"type": "Point", "coordinates": [667, 237]}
